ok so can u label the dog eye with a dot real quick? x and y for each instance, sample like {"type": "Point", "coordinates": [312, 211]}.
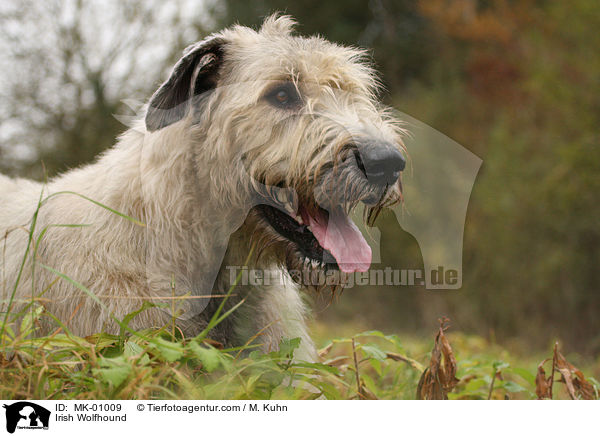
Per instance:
{"type": "Point", "coordinates": [284, 96]}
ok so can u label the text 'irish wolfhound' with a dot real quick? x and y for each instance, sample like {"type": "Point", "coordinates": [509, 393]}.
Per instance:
{"type": "Point", "coordinates": [253, 152]}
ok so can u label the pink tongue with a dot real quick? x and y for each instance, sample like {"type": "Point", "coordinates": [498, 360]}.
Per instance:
{"type": "Point", "coordinates": [341, 237]}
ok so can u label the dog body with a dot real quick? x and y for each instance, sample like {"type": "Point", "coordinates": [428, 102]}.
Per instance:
{"type": "Point", "coordinates": [252, 152]}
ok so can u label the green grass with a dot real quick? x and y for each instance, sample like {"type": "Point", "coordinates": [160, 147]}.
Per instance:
{"type": "Point", "coordinates": [154, 364]}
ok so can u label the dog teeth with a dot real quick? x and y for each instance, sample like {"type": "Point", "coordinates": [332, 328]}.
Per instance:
{"type": "Point", "coordinates": [289, 208]}
{"type": "Point", "coordinates": [294, 202]}
{"type": "Point", "coordinates": [282, 196]}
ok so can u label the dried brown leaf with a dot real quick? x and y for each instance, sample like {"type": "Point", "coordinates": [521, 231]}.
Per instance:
{"type": "Point", "coordinates": [365, 393]}
{"type": "Point", "coordinates": [577, 386]}
{"type": "Point", "coordinates": [439, 378]}
{"type": "Point", "coordinates": [324, 351]}
{"type": "Point", "coordinates": [400, 358]}
{"type": "Point", "coordinates": [542, 383]}
{"type": "Point", "coordinates": [218, 345]}
{"type": "Point", "coordinates": [337, 361]}
{"type": "Point", "coordinates": [448, 375]}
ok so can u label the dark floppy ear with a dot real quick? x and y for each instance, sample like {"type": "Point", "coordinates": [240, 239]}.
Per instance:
{"type": "Point", "coordinates": [195, 73]}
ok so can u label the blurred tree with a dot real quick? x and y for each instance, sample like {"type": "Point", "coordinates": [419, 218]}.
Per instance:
{"type": "Point", "coordinates": [544, 170]}
{"type": "Point", "coordinates": [396, 32]}
{"type": "Point", "coordinates": [67, 65]}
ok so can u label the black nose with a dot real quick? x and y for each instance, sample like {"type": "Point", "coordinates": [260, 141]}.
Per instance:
{"type": "Point", "coordinates": [380, 162]}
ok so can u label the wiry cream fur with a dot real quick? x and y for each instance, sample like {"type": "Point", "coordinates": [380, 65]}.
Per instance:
{"type": "Point", "coordinates": [191, 183]}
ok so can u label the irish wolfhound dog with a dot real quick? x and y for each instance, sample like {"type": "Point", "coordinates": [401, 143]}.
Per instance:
{"type": "Point", "coordinates": [254, 151]}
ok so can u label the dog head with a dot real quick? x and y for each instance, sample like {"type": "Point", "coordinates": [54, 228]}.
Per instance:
{"type": "Point", "coordinates": [295, 124]}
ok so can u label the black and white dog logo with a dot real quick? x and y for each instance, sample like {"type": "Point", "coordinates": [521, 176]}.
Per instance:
{"type": "Point", "coordinates": [26, 415]}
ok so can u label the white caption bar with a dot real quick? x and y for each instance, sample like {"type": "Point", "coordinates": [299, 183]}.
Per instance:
{"type": "Point", "coordinates": [250, 417]}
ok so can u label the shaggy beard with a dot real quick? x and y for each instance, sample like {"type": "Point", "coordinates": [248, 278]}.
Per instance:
{"type": "Point", "coordinates": [271, 248]}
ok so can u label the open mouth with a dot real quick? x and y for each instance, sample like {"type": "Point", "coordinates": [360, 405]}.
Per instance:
{"type": "Point", "coordinates": [328, 239]}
